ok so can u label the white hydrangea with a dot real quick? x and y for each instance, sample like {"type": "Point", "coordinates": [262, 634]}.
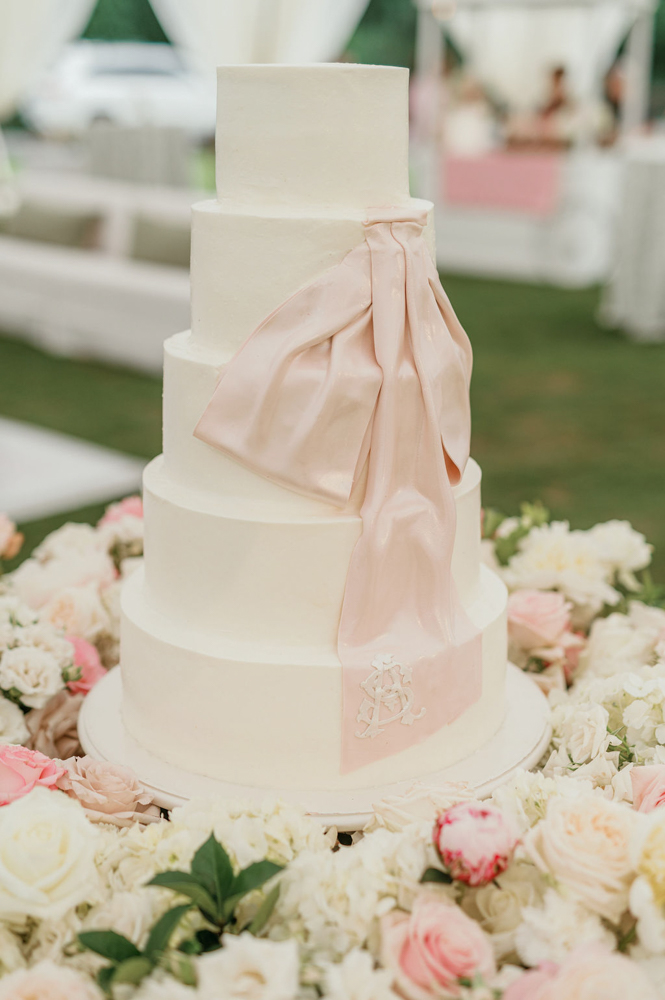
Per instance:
{"type": "Point", "coordinates": [162, 987]}
{"type": "Point", "coordinates": [249, 831]}
{"type": "Point", "coordinates": [33, 672]}
{"type": "Point", "coordinates": [550, 931]}
{"type": "Point", "coordinates": [623, 550]}
{"type": "Point", "coordinates": [526, 794]}
{"type": "Point", "coordinates": [622, 642]}
{"type": "Point", "coordinates": [130, 913]}
{"type": "Point", "coordinates": [330, 900]}
{"type": "Point", "coordinates": [14, 614]}
{"type": "Point", "coordinates": [552, 557]}
{"type": "Point", "coordinates": [355, 978]}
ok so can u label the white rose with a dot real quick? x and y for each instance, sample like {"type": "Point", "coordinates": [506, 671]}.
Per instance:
{"type": "Point", "coordinates": [549, 932]}
{"type": "Point", "coordinates": [12, 723]}
{"type": "Point", "coordinates": [498, 906]}
{"type": "Point", "coordinates": [72, 538]}
{"type": "Point", "coordinates": [78, 611]}
{"type": "Point", "coordinates": [622, 549]}
{"type": "Point", "coordinates": [249, 968]}
{"type": "Point", "coordinates": [616, 644]}
{"type": "Point", "coordinates": [552, 557]}
{"type": "Point", "coordinates": [35, 673]}
{"type": "Point", "coordinates": [47, 981]}
{"type": "Point", "coordinates": [49, 638]}
{"type": "Point", "coordinates": [355, 978]}
{"type": "Point", "coordinates": [584, 732]}
{"type": "Point", "coordinates": [162, 987]}
{"type": "Point", "coordinates": [47, 858]}
{"type": "Point", "coordinates": [585, 845]}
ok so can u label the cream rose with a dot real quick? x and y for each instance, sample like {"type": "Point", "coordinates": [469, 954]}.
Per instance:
{"type": "Point", "coordinates": [591, 973]}
{"type": "Point", "coordinates": [46, 855]}
{"type": "Point", "coordinates": [47, 981]}
{"type": "Point", "coordinates": [498, 906]}
{"type": "Point", "coordinates": [33, 672]}
{"type": "Point", "coordinates": [78, 611]}
{"type": "Point", "coordinates": [108, 792]}
{"type": "Point", "coordinates": [249, 968]}
{"type": "Point", "coordinates": [585, 845]}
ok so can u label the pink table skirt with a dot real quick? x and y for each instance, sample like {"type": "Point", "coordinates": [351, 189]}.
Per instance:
{"type": "Point", "coordinates": [513, 181]}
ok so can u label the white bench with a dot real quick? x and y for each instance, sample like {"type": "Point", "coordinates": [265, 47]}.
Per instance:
{"type": "Point", "coordinates": [101, 302]}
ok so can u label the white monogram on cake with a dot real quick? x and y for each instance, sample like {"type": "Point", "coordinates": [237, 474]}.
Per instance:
{"type": "Point", "coordinates": [388, 689]}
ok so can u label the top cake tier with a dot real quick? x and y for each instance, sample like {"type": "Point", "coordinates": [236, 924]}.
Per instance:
{"type": "Point", "coordinates": [333, 135]}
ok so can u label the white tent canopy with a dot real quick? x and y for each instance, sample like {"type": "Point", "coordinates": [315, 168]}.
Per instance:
{"type": "Point", "coordinates": [216, 32]}
{"type": "Point", "coordinates": [510, 46]}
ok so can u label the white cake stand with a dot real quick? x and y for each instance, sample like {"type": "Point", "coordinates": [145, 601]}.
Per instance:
{"type": "Point", "coordinates": [519, 743]}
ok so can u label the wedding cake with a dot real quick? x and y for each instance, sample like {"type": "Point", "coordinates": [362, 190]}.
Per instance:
{"type": "Point", "coordinates": [246, 653]}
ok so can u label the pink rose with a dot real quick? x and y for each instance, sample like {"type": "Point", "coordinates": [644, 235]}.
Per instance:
{"type": "Point", "coordinates": [431, 949]}
{"type": "Point", "coordinates": [648, 787]}
{"type": "Point", "coordinates": [130, 506]}
{"type": "Point", "coordinates": [537, 618]}
{"type": "Point", "coordinates": [22, 769]}
{"type": "Point", "coordinates": [11, 540]}
{"type": "Point", "coordinates": [588, 973]}
{"type": "Point", "coordinates": [87, 659]}
{"type": "Point", "coordinates": [476, 841]}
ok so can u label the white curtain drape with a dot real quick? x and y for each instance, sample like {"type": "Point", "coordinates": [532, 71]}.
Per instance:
{"type": "Point", "coordinates": [31, 35]}
{"type": "Point", "coordinates": [217, 32]}
{"type": "Point", "coordinates": [512, 49]}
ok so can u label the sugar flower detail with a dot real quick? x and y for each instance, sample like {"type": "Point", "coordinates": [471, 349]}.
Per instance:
{"type": "Point", "coordinates": [21, 770]}
{"type": "Point", "coordinates": [47, 981]}
{"type": "Point", "coordinates": [584, 843]}
{"type": "Point", "coordinates": [429, 950]}
{"type": "Point", "coordinates": [475, 841]}
{"type": "Point", "coordinates": [86, 658]}
{"type": "Point", "coordinates": [47, 863]}
{"type": "Point", "coordinates": [249, 968]}
{"type": "Point", "coordinates": [11, 540]}
{"type": "Point", "coordinates": [108, 792]}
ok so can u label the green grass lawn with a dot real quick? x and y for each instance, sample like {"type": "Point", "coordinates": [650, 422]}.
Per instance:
{"type": "Point", "coordinates": [563, 411]}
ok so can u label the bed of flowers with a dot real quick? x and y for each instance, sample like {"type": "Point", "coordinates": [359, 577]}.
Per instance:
{"type": "Point", "coordinates": [554, 889]}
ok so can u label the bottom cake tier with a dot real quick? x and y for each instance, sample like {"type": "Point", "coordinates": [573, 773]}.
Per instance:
{"type": "Point", "coordinates": [270, 717]}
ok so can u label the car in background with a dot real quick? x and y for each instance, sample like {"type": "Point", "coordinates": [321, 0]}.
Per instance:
{"type": "Point", "coordinates": [126, 83]}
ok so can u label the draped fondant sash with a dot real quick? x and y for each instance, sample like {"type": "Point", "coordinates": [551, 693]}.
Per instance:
{"type": "Point", "coordinates": [368, 365]}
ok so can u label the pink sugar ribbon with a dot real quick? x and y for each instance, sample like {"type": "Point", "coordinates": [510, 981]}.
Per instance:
{"type": "Point", "coordinates": [368, 365]}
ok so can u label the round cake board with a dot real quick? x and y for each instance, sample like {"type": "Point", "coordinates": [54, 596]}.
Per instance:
{"type": "Point", "coordinates": [520, 743]}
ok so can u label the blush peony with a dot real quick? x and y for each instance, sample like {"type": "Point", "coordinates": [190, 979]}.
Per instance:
{"type": "Point", "coordinates": [129, 507]}
{"type": "Point", "coordinates": [22, 769]}
{"type": "Point", "coordinates": [537, 618]}
{"type": "Point", "coordinates": [584, 844]}
{"type": "Point", "coordinates": [592, 973]}
{"type": "Point", "coordinates": [86, 658]}
{"type": "Point", "coordinates": [648, 787]}
{"type": "Point", "coordinates": [429, 950]}
{"type": "Point", "coordinates": [475, 841]}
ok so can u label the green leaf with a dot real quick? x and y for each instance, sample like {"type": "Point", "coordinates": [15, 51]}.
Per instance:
{"type": "Point", "coordinates": [134, 970]}
{"type": "Point", "coordinates": [208, 940]}
{"type": "Point", "coordinates": [109, 945]}
{"type": "Point", "coordinates": [188, 885]}
{"type": "Point", "coordinates": [212, 866]}
{"type": "Point", "coordinates": [104, 978]}
{"type": "Point", "coordinates": [161, 933]}
{"type": "Point", "coordinates": [435, 875]}
{"type": "Point", "coordinates": [264, 911]}
{"type": "Point", "coordinates": [254, 877]}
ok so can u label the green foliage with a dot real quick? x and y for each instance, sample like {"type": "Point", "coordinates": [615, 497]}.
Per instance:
{"type": "Point", "coordinates": [128, 964]}
{"type": "Point", "coordinates": [532, 515]}
{"type": "Point", "coordinates": [124, 20]}
{"type": "Point", "coordinates": [215, 890]}
{"type": "Point", "coordinates": [436, 875]}
{"type": "Point", "coordinates": [386, 34]}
